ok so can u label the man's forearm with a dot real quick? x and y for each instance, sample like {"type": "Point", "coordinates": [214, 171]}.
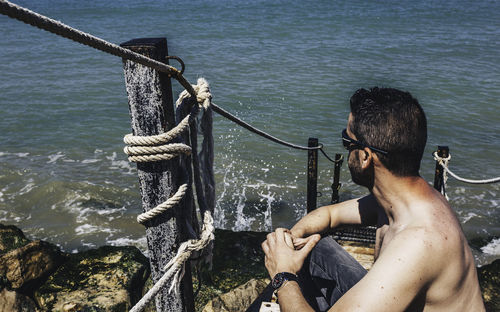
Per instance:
{"type": "Point", "coordinates": [290, 298]}
{"type": "Point", "coordinates": [328, 217]}
{"type": "Point", "coordinates": [317, 221]}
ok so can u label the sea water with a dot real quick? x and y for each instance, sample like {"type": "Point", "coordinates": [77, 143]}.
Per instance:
{"type": "Point", "coordinates": [287, 67]}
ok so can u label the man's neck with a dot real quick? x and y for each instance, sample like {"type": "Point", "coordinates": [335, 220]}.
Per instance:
{"type": "Point", "coordinates": [397, 195]}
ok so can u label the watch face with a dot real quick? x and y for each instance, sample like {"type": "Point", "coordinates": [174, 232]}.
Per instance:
{"type": "Point", "coordinates": [277, 281]}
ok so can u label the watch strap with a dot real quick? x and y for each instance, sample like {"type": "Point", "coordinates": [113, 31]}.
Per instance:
{"type": "Point", "coordinates": [280, 278]}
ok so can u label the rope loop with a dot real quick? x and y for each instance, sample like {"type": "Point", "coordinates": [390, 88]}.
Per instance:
{"type": "Point", "coordinates": [444, 163]}
{"type": "Point", "coordinates": [161, 208]}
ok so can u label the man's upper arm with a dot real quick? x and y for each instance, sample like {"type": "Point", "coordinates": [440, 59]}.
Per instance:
{"type": "Point", "coordinates": [355, 211]}
{"type": "Point", "coordinates": [400, 273]}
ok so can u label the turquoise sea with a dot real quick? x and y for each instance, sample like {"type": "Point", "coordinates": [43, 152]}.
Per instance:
{"type": "Point", "coordinates": [287, 67]}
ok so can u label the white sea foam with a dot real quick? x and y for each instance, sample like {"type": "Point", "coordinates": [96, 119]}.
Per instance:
{"type": "Point", "coordinates": [492, 248]}
{"type": "Point", "coordinates": [268, 221]}
{"type": "Point", "coordinates": [120, 164]}
{"type": "Point", "coordinates": [241, 223]}
{"type": "Point", "coordinates": [21, 155]}
{"type": "Point", "coordinates": [54, 157]}
{"type": "Point", "coordinates": [89, 228]}
{"type": "Point", "coordinates": [90, 161]}
{"type": "Point", "coordinates": [89, 245]}
{"type": "Point", "coordinates": [127, 241]}
{"type": "Point", "coordinates": [86, 229]}
{"type": "Point", "coordinates": [27, 188]}
{"type": "Point", "coordinates": [104, 212]}
{"type": "Point", "coordinates": [469, 216]}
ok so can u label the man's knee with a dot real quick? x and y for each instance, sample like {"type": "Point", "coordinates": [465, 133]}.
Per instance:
{"type": "Point", "coordinates": [328, 258]}
{"type": "Point", "coordinates": [326, 247]}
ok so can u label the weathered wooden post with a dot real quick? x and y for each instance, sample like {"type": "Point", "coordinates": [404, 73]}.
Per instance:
{"type": "Point", "coordinates": [336, 179]}
{"type": "Point", "coordinates": [151, 111]}
{"type": "Point", "coordinates": [442, 151]}
{"type": "Point", "coordinates": [312, 175]}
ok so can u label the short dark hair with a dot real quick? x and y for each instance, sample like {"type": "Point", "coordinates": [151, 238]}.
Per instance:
{"type": "Point", "coordinates": [393, 121]}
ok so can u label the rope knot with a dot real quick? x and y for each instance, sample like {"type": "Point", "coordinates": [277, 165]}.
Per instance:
{"type": "Point", "coordinates": [441, 160]}
{"type": "Point", "coordinates": [203, 95]}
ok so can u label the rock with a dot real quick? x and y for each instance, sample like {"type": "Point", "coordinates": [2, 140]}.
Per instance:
{"type": "Point", "coordinates": [12, 301]}
{"type": "Point", "coordinates": [104, 279]}
{"type": "Point", "coordinates": [237, 258]}
{"type": "Point", "coordinates": [489, 280]}
{"type": "Point", "coordinates": [238, 299]}
{"type": "Point", "coordinates": [11, 238]}
{"type": "Point", "coordinates": [26, 268]}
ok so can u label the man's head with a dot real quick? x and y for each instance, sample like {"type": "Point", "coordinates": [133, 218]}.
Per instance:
{"type": "Point", "coordinates": [392, 121]}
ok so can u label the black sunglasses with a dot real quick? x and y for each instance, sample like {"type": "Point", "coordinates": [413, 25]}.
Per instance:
{"type": "Point", "coordinates": [351, 144]}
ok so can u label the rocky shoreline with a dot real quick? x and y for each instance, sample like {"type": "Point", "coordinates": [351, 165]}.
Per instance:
{"type": "Point", "coordinates": [38, 276]}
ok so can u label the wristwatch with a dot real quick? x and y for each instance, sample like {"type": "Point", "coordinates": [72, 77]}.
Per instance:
{"type": "Point", "coordinates": [282, 277]}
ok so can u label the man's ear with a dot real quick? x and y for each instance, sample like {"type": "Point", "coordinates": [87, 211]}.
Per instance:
{"type": "Point", "coordinates": [366, 157]}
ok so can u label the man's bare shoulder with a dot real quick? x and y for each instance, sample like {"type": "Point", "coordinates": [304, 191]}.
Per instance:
{"type": "Point", "coordinates": [398, 275]}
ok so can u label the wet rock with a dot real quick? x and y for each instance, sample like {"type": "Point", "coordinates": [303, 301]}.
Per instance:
{"type": "Point", "coordinates": [11, 301]}
{"type": "Point", "coordinates": [27, 267]}
{"type": "Point", "coordinates": [489, 280]}
{"type": "Point", "coordinates": [103, 279]}
{"type": "Point", "coordinates": [238, 299]}
{"type": "Point", "coordinates": [11, 238]}
{"type": "Point", "coordinates": [237, 258]}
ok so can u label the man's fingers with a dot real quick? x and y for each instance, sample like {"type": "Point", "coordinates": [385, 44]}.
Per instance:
{"type": "Point", "coordinates": [311, 242]}
{"type": "Point", "coordinates": [271, 240]}
{"type": "Point", "coordinates": [280, 234]}
{"type": "Point", "coordinates": [299, 242]}
{"type": "Point", "coordinates": [288, 240]}
{"type": "Point", "coordinates": [265, 247]}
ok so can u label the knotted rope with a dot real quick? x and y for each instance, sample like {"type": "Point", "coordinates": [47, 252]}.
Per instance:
{"type": "Point", "coordinates": [175, 267]}
{"type": "Point", "coordinates": [157, 147]}
{"type": "Point", "coordinates": [444, 163]}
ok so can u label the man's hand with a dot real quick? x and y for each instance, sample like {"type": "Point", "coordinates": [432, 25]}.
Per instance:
{"type": "Point", "coordinates": [281, 257]}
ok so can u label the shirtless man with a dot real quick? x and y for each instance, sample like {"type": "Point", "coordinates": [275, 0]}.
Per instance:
{"type": "Point", "coordinates": [423, 261]}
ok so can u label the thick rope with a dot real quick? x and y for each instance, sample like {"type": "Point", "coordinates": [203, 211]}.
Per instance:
{"type": "Point", "coordinates": [175, 267]}
{"type": "Point", "coordinates": [161, 208]}
{"type": "Point", "coordinates": [444, 163]}
{"type": "Point", "coordinates": [155, 147]}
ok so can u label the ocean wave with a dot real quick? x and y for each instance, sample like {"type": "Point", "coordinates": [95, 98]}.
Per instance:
{"type": "Point", "coordinates": [54, 157]}
{"type": "Point", "coordinates": [20, 155]}
{"type": "Point", "coordinates": [140, 242]}
{"type": "Point", "coordinates": [492, 248]}
{"type": "Point", "coordinates": [90, 229]}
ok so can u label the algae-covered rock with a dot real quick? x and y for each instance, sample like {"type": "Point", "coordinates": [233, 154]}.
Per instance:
{"type": "Point", "coordinates": [103, 279]}
{"type": "Point", "coordinates": [238, 299]}
{"type": "Point", "coordinates": [26, 267]}
{"type": "Point", "coordinates": [11, 238]}
{"type": "Point", "coordinates": [489, 279]}
{"type": "Point", "coordinates": [237, 258]}
{"type": "Point", "coordinates": [11, 301]}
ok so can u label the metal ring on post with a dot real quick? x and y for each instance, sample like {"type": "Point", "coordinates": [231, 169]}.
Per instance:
{"type": "Point", "coordinates": [178, 59]}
